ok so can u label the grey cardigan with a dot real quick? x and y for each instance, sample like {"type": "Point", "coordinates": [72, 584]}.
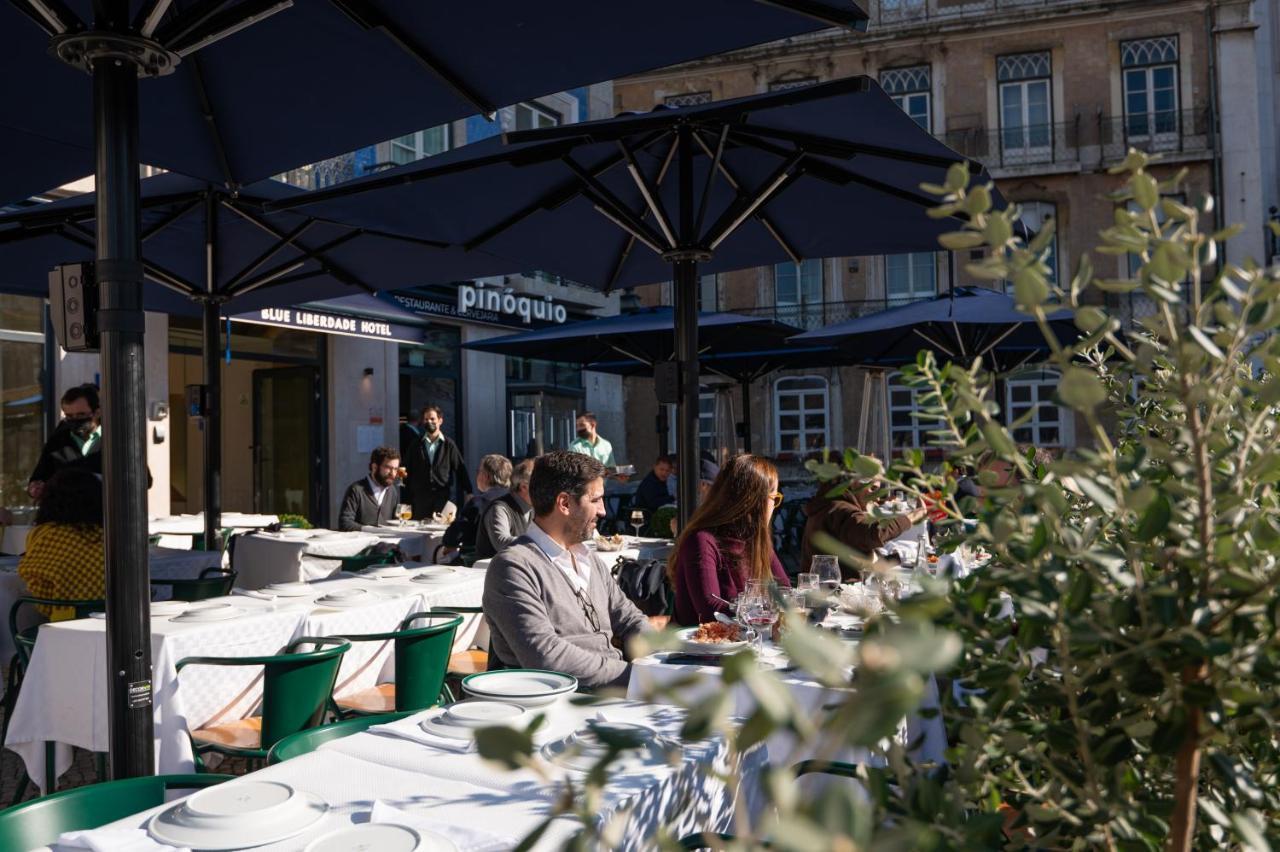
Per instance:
{"type": "Point", "coordinates": [359, 508]}
{"type": "Point", "coordinates": [536, 621]}
{"type": "Point", "coordinates": [502, 522]}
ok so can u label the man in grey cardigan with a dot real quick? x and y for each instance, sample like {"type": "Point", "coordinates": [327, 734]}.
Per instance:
{"type": "Point", "coordinates": [505, 519]}
{"type": "Point", "coordinates": [550, 603]}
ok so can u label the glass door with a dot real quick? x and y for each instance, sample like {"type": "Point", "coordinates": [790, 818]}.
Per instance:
{"type": "Point", "coordinates": [1025, 122]}
{"type": "Point", "coordinates": [286, 454]}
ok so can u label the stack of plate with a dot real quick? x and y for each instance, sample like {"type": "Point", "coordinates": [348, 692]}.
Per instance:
{"type": "Point", "coordinates": [290, 590]}
{"type": "Point", "coordinates": [342, 598]}
{"type": "Point", "coordinates": [203, 612]}
{"type": "Point", "coordinates": [582, 750]}
{"type": "Point", "coordinates": [387, 572]}
{"type": "Point", "coordinates": [238, 815]}
{"type": "Point", "coordinates": [162, 609]}
{"type": "Point", "coordinates": [526, 687]}
{"type": "Point", "coordinates": [460, 721]}
{"type": "Point", "coordinates": [435, 574]}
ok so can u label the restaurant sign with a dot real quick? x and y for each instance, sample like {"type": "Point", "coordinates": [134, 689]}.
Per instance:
{"type": "Point", "coordinates": [504, 302]}
{"type": "Point", "coordinates": [306, 319]}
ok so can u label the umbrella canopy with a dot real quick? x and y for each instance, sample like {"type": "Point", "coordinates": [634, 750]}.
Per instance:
{"type": "Point", "coordinates": [966, 323]}
{"type": "Point", "coordinates": [642, 338]}
{"type": "Point", "coordinates": [828, 170]}
{"type": "Point", "coordinates": [329, 77]}
{"type": "Point", "coordinates": [260, 259]}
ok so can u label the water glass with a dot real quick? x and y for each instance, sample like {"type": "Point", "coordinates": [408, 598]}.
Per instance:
{"type": "Point", "coordinates": [806, 581]}
{"type": "Point", "coordinates": [828, 570]}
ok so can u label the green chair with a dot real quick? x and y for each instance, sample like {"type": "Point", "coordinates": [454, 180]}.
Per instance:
{"type": "Point", "coordinates": [421, 658]}
{"type": "Point", "coordinates": [367, 558]}
{"type": "Point", "coordinates": [224, 535]}
{"type": "Point", "coordinates": [39, 822]}
{"type": "Point", "coordinates": [712, 840]}
{"type": "Point", "coordinates": [468, 662]}
{"type": "Point", "coordinates": [296, 687]}
{"type": "Point", "coordinates": [213, 582]}
{"type": "Point", "coordinates": [311, 739]}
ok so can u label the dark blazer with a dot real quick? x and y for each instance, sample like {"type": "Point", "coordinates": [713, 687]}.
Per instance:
{"type": "Point", "coordinates": [61, 451]}
{"type": "Point", "coordinates": [359, 508]}
{"type": "Point", "coordinates": [429, 482]}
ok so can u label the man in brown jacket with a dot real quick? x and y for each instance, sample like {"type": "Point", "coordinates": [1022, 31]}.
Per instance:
{"type": "Point", "coordinates": [845, 518]}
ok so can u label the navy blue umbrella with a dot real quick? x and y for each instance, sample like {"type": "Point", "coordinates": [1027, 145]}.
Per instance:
{"type": "Point", "coordinates": [967, 323]}
{"type": "Point", "coordinates": [238, 90]}
{"type": "Point", "coordinates": [829, 170]}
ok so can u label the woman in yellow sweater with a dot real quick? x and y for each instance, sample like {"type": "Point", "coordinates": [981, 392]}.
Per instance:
{"type": "Point", "coordinates": [64, 557]}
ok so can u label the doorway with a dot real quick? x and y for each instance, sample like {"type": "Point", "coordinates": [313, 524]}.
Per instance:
{"type": "Point", "coordinates": [287, 460]}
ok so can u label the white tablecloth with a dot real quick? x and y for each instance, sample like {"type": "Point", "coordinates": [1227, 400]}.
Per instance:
{"type": "Point", "coordinates": [15, 539]}
{"type": "Point", "coordinates": [176, 530]}
{"type": "Point", "coordinates": [634, 548]}
{"type": "Point", "coordinates": [64, 695]}
{"type": "Point", "coordinates": [417, 542]}
{"type": "Point", "coordinates": [461, 790]}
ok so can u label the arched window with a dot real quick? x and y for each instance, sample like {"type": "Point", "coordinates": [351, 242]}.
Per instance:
{"type": "Point", "coordinates": [800, 418]}
{"type": "Point", "coordinates": [1031, 392]}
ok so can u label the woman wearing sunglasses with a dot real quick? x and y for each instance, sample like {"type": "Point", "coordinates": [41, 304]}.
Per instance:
{"type": "Point", "coordinates": [728, 541]}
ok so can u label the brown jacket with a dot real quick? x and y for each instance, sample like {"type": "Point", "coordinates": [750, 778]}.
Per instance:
{"type": "Point", "coordinates": [845, 519]}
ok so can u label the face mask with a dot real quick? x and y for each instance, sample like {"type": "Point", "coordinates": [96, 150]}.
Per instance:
{"type": "Point", "coordinates": [82, 426]}
{"type": "Point", "coordinates": [584, 434]}
{"type": "Point", "coordinates": [431, 428]}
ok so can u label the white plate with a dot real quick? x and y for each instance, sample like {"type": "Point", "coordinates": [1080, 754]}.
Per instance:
{"type": "Point", "coordinates": [480, 713]}
{"type": "Point", "coordinates": [345, 594]}
{"type": "Point", "coordinates": [293, 532]}
{"type": "Point", "coordinates": [382, 836]}
{"type": "Point", "coordinates": [387, 571]}
{"type": "Point", "coordinates": [290, 590]}
{"type": "Point", "coordinates": [526, 687]}
{"type": "Point", "coordinates": [159, 608]}
{"type": "Point", "coordinates": [348, 602]}
{"type": "Point", "coordinates": [209, 614]}
{"type": "Point", "coordinates": [714, 647]}
{"type": "Point", "coordinates": [581, 751]}
{"type": "Point", "coordinates": [242, 815]}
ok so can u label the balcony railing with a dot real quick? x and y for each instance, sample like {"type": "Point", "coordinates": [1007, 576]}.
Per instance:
{"type": "Point", "coordinates": [1085, 141]}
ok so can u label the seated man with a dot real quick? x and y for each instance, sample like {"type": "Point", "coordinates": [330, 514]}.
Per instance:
{"type": "Point", "coordinates": [846, 519]}
{"type": "Point", "coordinates": [493, 481]}
{"type": "Point", "coordinates": [372, 501]}
{"type": "Point", "coordinates": [652, 493]}
{"type": "Point", "coordinates": [549, 601]}
{"type": "Point", "coordinates": [505, 519]}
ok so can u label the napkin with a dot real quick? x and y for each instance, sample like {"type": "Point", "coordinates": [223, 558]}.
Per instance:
{"type": "Point", "coordinates": [114, 840]}
{"type": "Point", "coordinates": [408, 729]}
{"type": "Point", "coordinates": [466, 839]}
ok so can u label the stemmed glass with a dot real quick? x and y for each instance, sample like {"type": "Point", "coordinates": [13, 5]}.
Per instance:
{"type": "Point", "coordinates": [637, 521]}
{"type": "Point", "coordinates": [828, 570]}
{"type": "Point", "coordinates": [404, 512]}
{"type": "Point", "coordinates": [762, 614]}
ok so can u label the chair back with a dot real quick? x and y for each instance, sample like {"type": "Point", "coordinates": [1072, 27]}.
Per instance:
{"type": "Point", "coordinates": [367, 558]}
{"type": "Point", "coordinates": [212, 583]}
{"type": "Point", "coordinates": [38, 822]}
{"type": "Point", "coordinates": [296, 686]}
{"type": "Point", "coordinates": [422, 658]}
{"type": "Point", "coordinates": [24, 639]}
{"type": "Point", "coordinates": [224, 535]}
{"type": "Point", "coordinates": [304, 742]}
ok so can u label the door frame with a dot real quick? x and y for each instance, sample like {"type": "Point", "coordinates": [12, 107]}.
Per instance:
{"type": "Point", "coordinates": [317, 503]}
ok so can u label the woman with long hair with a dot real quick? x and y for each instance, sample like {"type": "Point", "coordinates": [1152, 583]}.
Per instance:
{"type": "Point", "coordinates": [64, 558]}
{"type": "Point", "coordinates": [727, 542]}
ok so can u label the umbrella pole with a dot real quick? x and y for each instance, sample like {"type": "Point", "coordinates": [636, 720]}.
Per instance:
{"type": "Point", "coordinates": [685, 276]}
{"type": "Point", "coordinates": [124, 468]}
{"type": "Point", "coordinates": [212, 350]}
{"type": "Point", "coordinates": [746, 415]}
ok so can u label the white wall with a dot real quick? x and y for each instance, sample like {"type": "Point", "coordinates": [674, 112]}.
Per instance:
{"type": "Point", "coordinates": [356, 400]}
{"type": "Point", "coordinates": [605, 399]}
{"type": "Point", "coordinates": [484, 398]}
{"type": "Point", "coordinates": [1243, 181]}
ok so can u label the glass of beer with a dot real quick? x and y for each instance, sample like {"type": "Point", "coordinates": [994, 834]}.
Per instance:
{"type": "Point", "coordinates": [404, 512]}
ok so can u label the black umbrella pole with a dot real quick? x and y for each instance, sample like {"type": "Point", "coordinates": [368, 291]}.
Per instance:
{"type": "Point", "coordinates": [124, 466]}
{"type": "Point", "coordinates": [212, 427]}
{"type": "Point", "coordinates": [685, 277]}
{"type": "Point", "coordinates": [746, 416]}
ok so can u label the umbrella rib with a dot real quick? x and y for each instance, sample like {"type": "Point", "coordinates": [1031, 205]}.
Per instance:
{"type": "Point", "coordinates": [206, 112]}
{"type": "Point", "coordinates": [993, 344]}
{"type": "Point", "coordinates": [317, 254]}
{"type": "Point", "coordinates": [616, 210]}
{"type": "Point", "coordinates": [370, 17]}
{"type": "Point", "coordinates": [184, 22]}
{"type": "Point", "coordinates": [959, 339]}
{"type": "Point", "coordinates": [711, 176]}
{"type": "Point", "coordinates": [221, 24]}
{"type": "Point", "coordinates": [631, 240]}
{"type": "Point", "coordinates": [80, 235]}
{"type": "Point", "coordinates": [286, 240]}
{"type": "Point", "coordinates": [941, 346]}
{"type": "Point", "coordinates": [855, 19]}
{"type": "Point", "coordinates": [149, 17]}
{"type": "Point", "coordinates": [52, 16]}
{"type": "Point", "coordinates": [768, 223]}
{"type": "Point", "coordinates": [333, 267]}
{"type": "Point", "coordinates": [738, 213]}
{"type": "Point", "coordinates": [648, 193]}
{"type": "Point", "coordinates": [170, 219]}
{"type": "Point", "coordinates": [830, 146]}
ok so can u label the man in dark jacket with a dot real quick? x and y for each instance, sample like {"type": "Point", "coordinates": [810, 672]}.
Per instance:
{"type": "Point", "coordinates": [436, 467]}
{"type": "Point", "coordinates": [847, 520]}
{"type": "Point", "coordinates": [76, 442]}
{"type": "Point", "coordinates": [372, 501]}
{"type": "Point", "coordinates": [652, 493]}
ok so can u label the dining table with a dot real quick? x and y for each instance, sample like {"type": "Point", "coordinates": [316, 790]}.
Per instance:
{"type": "Point", "coordinates": [303, 555]}
{"type": "Point", "coordinates": [178, 531]}
{"type": "Point", "coordinates": [388, 774]}
{"type": "Point", "coordinates": [63, 698]}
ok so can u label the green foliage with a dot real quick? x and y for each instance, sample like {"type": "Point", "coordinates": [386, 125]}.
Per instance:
{"type": "Point", "coordinates": [295, 521]}
{"type": "Point", "coordinates": [660, 522]}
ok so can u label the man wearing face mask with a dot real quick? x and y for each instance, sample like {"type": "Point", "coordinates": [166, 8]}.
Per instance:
{"type": "Point", "coordinates": [76, 442]}
{"type": "Point", "coordinates": [435, 468]}
{"type": "Point", "coordinates": [589, 442]}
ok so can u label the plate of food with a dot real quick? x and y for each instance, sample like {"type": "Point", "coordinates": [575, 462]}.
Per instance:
{"type": "Point", "coordinates": [609, 543]}
{"type": "Point", "coordinates": [716, 637]}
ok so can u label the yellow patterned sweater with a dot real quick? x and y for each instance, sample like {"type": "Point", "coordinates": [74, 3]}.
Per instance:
{"type": "Point", "coordinates": [63, 561]}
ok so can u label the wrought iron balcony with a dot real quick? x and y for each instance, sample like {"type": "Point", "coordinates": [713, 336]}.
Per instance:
{"type": "Point", "coordinates": [1085, 141]}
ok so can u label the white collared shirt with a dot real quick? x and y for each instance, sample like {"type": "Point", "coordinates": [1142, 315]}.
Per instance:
{"type": "Point", "coordinates": [379, 491]}
{"type": "Point", "coordinates": [575, 561]}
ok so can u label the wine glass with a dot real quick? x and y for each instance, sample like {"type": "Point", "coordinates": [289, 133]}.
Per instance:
{"type": "Point", "coordinates": [404, 512]}
{"type": "Point", "coordinates": [762, 614]}
{"type": "Point", "coordinates": [828, 570]}
{"type": "Point", "coordinates": [637, 521]}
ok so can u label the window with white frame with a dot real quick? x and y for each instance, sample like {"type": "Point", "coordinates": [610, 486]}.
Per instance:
{"type": "Point", "coordinates": [1026, 105]}
{"type": "Point", "coordinates": [800, 419]}
{"type": "Point", "coordinates": [797, 292]}
{"type": "Point", "coordinates": [910, 90]}
{"type": "Point", "coordinates": [1150, 69]}
{"type": "Point", "coordinates": [1031, 393]}
{"type": "Point", "coordinates": [905, 430]}
{"type": "Point", "coordinates": [1035, 215]}
{"type": "Point", "coordinates": [908, 277]}
{"type": "Point", "coordinates": [706, 423]}
{"type": "Point", "coordinates": [423, 143]}
{"type": "Point", "coordinates": [534, 116]}
{"type": "Point", "coordinates": [687, 99]}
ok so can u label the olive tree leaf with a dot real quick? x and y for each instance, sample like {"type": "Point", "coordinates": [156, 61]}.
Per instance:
{"type": "Point", "coordinates": [1080, 389]}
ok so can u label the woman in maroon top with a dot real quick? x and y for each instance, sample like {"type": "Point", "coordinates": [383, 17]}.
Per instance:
{"type": "Point", "coordinates": [727, 542]}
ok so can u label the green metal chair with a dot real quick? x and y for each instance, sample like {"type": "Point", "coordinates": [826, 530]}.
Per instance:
{"type": "Point", "coordinates": [311, 739]}
{"type": "Point", "coordinates": [421, 658]}
{"type": "Point", "coordinates": [367, 559]}
{"type": "Point", "coordinates": [296, 687]}
{"type": "Point", "coordinates": [213, 582]}
{"type": "Point", "coordinates": [39, 822]}
{"type": "Point", "coordinates": [713, 840]}
{"type": "Point", "coordinates": [224, 535]}
{"type": "Point", "coordinates": [463, 663]}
